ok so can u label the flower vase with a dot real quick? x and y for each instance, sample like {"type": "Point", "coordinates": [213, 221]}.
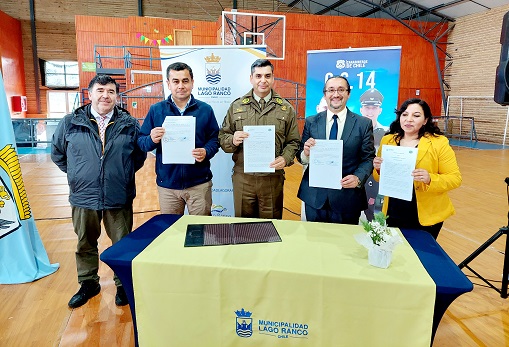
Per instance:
{"type": "Point", "coordinates": [379, 257]}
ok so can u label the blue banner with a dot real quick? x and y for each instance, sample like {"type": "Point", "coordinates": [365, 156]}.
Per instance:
{"type": "Point", "coordinates": [373, 74]}
{"type": "Point", "coordinates": [373, 70]}
{"type": "Point", "coordinates": [22, 254]}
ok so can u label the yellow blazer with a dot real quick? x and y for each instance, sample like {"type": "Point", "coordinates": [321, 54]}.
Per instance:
{"type": "Point", "coordinates": [436, 156]}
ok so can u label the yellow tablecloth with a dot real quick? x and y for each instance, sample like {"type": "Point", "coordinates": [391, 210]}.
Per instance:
{"type": "Point", "coordinates": [315, 288]}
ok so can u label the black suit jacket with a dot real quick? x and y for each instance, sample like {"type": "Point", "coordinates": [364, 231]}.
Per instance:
{"type": "Point", "coordinates": [358, 154]}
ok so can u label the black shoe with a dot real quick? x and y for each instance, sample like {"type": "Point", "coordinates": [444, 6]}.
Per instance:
{"type": "Point", "coordinates": [89, 289]}
{"type": "Point", "coordinates": [121, 297]}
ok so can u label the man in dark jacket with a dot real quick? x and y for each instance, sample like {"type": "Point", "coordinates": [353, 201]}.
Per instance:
{"type": "Point", "coordinates": [179, 185]}
{"type": "Point", "coordinates": [96, 146]}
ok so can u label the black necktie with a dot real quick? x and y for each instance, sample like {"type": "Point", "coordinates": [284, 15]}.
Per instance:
{"type": "Point", "coordinates": [262, 104]}
{"type": "Point", "coordinates": [334, 130]}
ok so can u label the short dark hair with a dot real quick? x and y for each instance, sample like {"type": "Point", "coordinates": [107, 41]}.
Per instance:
{"type": "Point", "coordinates": [337, 76]}
{"type": "Point", "coordinates": [430, 127]}
{"type": "Point", "coordinates": [261, 63]}
{"type": "Point", "coordinates": [178, 66]}
{"type": "Point", "coordinates": [103, 80]}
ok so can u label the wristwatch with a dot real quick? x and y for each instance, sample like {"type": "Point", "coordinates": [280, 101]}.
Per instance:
{"type": "Point", "coordinates": [359, 182]}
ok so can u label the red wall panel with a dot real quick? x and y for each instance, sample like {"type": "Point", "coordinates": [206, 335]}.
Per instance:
{"type": "Point", "coordinates": [11, 53]}
{"type": "Point", "coordinates": [303, 32]}
{"type": "Point", "coordinates": [93, 32]}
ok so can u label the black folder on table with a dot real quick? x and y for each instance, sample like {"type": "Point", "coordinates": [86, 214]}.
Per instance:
{"type": "Point", "coordinates": [230, 234]}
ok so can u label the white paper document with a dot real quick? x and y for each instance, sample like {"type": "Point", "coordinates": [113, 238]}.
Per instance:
{"type": "Point", "coordinates": [179, 140]}
{"type": "Point", "coordinates": [326, 164]}
{"type": "Point", "coordinates": [259, 148]}
{"type": "Point", "coordinates": [396, 178]}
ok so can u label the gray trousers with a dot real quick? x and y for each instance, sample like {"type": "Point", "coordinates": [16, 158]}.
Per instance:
{"type": "Point", "coordinates": [87, 225]}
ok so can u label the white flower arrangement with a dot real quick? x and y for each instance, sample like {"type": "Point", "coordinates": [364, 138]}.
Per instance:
{"type": "Point", "coordinates": [379, 239]}
{"type": "Point", "coordinates": [377, 229]}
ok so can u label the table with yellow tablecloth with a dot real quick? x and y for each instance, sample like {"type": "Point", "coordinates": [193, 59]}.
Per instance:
{"type": "Point", "coordinates": [315, 288]}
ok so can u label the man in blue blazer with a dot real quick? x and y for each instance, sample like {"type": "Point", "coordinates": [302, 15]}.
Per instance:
{"type": "Point", "coordinates": [338, 122]}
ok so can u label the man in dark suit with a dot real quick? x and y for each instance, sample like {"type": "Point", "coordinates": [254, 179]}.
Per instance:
{"type": "Point", "coordinates": [337, 122]}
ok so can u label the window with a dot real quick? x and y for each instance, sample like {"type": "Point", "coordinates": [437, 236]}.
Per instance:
{"type": "Point", "coordinates": [61, 103]}
{"type": "Point", "coordinates": [60, 74]}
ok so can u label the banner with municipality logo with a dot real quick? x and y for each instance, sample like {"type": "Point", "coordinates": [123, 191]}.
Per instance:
{"type": "Point", "coordinates": [221, 75]}
{"type": "Point", "coordinates": [365, 68]}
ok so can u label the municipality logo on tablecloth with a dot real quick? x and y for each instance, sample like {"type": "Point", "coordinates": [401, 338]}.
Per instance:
{"type": "Point", "coordinates": [273, 328]}
{"type": "Point", "coordinates": [244, 323]}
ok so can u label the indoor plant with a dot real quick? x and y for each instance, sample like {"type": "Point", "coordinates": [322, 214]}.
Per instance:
{"type": "Point", "coordinates": [379, 239]}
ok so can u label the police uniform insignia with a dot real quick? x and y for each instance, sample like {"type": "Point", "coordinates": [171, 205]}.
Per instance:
{"type": "Point", "coordinates": [245, 100]}
{"type": "Point", "coordinates": [239, 109]}
{"type": "Point", "coordinates": [279, 101]}
{"type": "Point", "coordinates": [283, 108]}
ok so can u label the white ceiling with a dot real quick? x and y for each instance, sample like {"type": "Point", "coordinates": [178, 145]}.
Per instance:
{"type": "Point", "coordinates": [430, 10]}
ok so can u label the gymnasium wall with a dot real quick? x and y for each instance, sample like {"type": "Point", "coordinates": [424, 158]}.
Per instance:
{"type": "Point", "coordinates": [303, 32]}
{"type": "Point", "coordinates": [11, 59]}
{"type": "Point", "coordinates": [473, 43]}
{"type": "Point", "coordinates": [475, 50]}
{"type": "Point", "coordinates": [56, 27]}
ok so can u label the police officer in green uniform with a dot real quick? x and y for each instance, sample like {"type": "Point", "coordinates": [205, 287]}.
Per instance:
{"type": "Point", "coordinates": [371, 107]}
{"type": "Point", "coordinates": [260, 195]}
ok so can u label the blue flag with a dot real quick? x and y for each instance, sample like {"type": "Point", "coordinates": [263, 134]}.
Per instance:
{"type": "Point", "coordinates": [22, 254]}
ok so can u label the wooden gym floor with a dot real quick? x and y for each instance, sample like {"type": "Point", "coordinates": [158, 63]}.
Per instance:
{"type": "Point", "coordinates": [36, 314]}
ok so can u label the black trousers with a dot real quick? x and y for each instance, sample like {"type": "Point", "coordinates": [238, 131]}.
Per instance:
{"type": "Point", "coordinates": [327, 215]}
{"type": "Point", "coordinates": [434, 229]}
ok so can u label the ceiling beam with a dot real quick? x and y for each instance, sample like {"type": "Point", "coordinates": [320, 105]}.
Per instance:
{"type": "Point", "coordinates": [386, 7]}
{"type": "Point", "coordinates": [455, 3]}
{"type": "Point", "coordinates": [377, 9]}
{"type": "Point", "coordinates": [331, 7]}
{"type": "Point", "coordinates": [293, 3]}
{"type": "Point", "coordinates": [425, 10]}
{"type": "Point", "coordinates": [433, 10]}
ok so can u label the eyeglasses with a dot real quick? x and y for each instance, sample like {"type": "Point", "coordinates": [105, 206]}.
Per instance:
{"type": "Point", "coordinates": [332, 91]}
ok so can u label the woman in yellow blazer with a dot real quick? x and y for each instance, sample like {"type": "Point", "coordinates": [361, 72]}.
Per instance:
{"type": "Point", "coordinates": [436, 170]}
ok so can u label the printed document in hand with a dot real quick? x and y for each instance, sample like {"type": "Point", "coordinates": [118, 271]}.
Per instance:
{"type": "Point", "coordinates": [178, 140]}
{"type": "Point", "coordinates": [326, 164]}
{"type": "Point", "coordinates": [259, 148]}
{"type": "Point", "coordinates": [396, 178]}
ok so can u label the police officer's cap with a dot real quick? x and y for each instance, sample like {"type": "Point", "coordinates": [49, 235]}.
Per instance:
{"type": "Point", "coordinates": [372, 97]}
